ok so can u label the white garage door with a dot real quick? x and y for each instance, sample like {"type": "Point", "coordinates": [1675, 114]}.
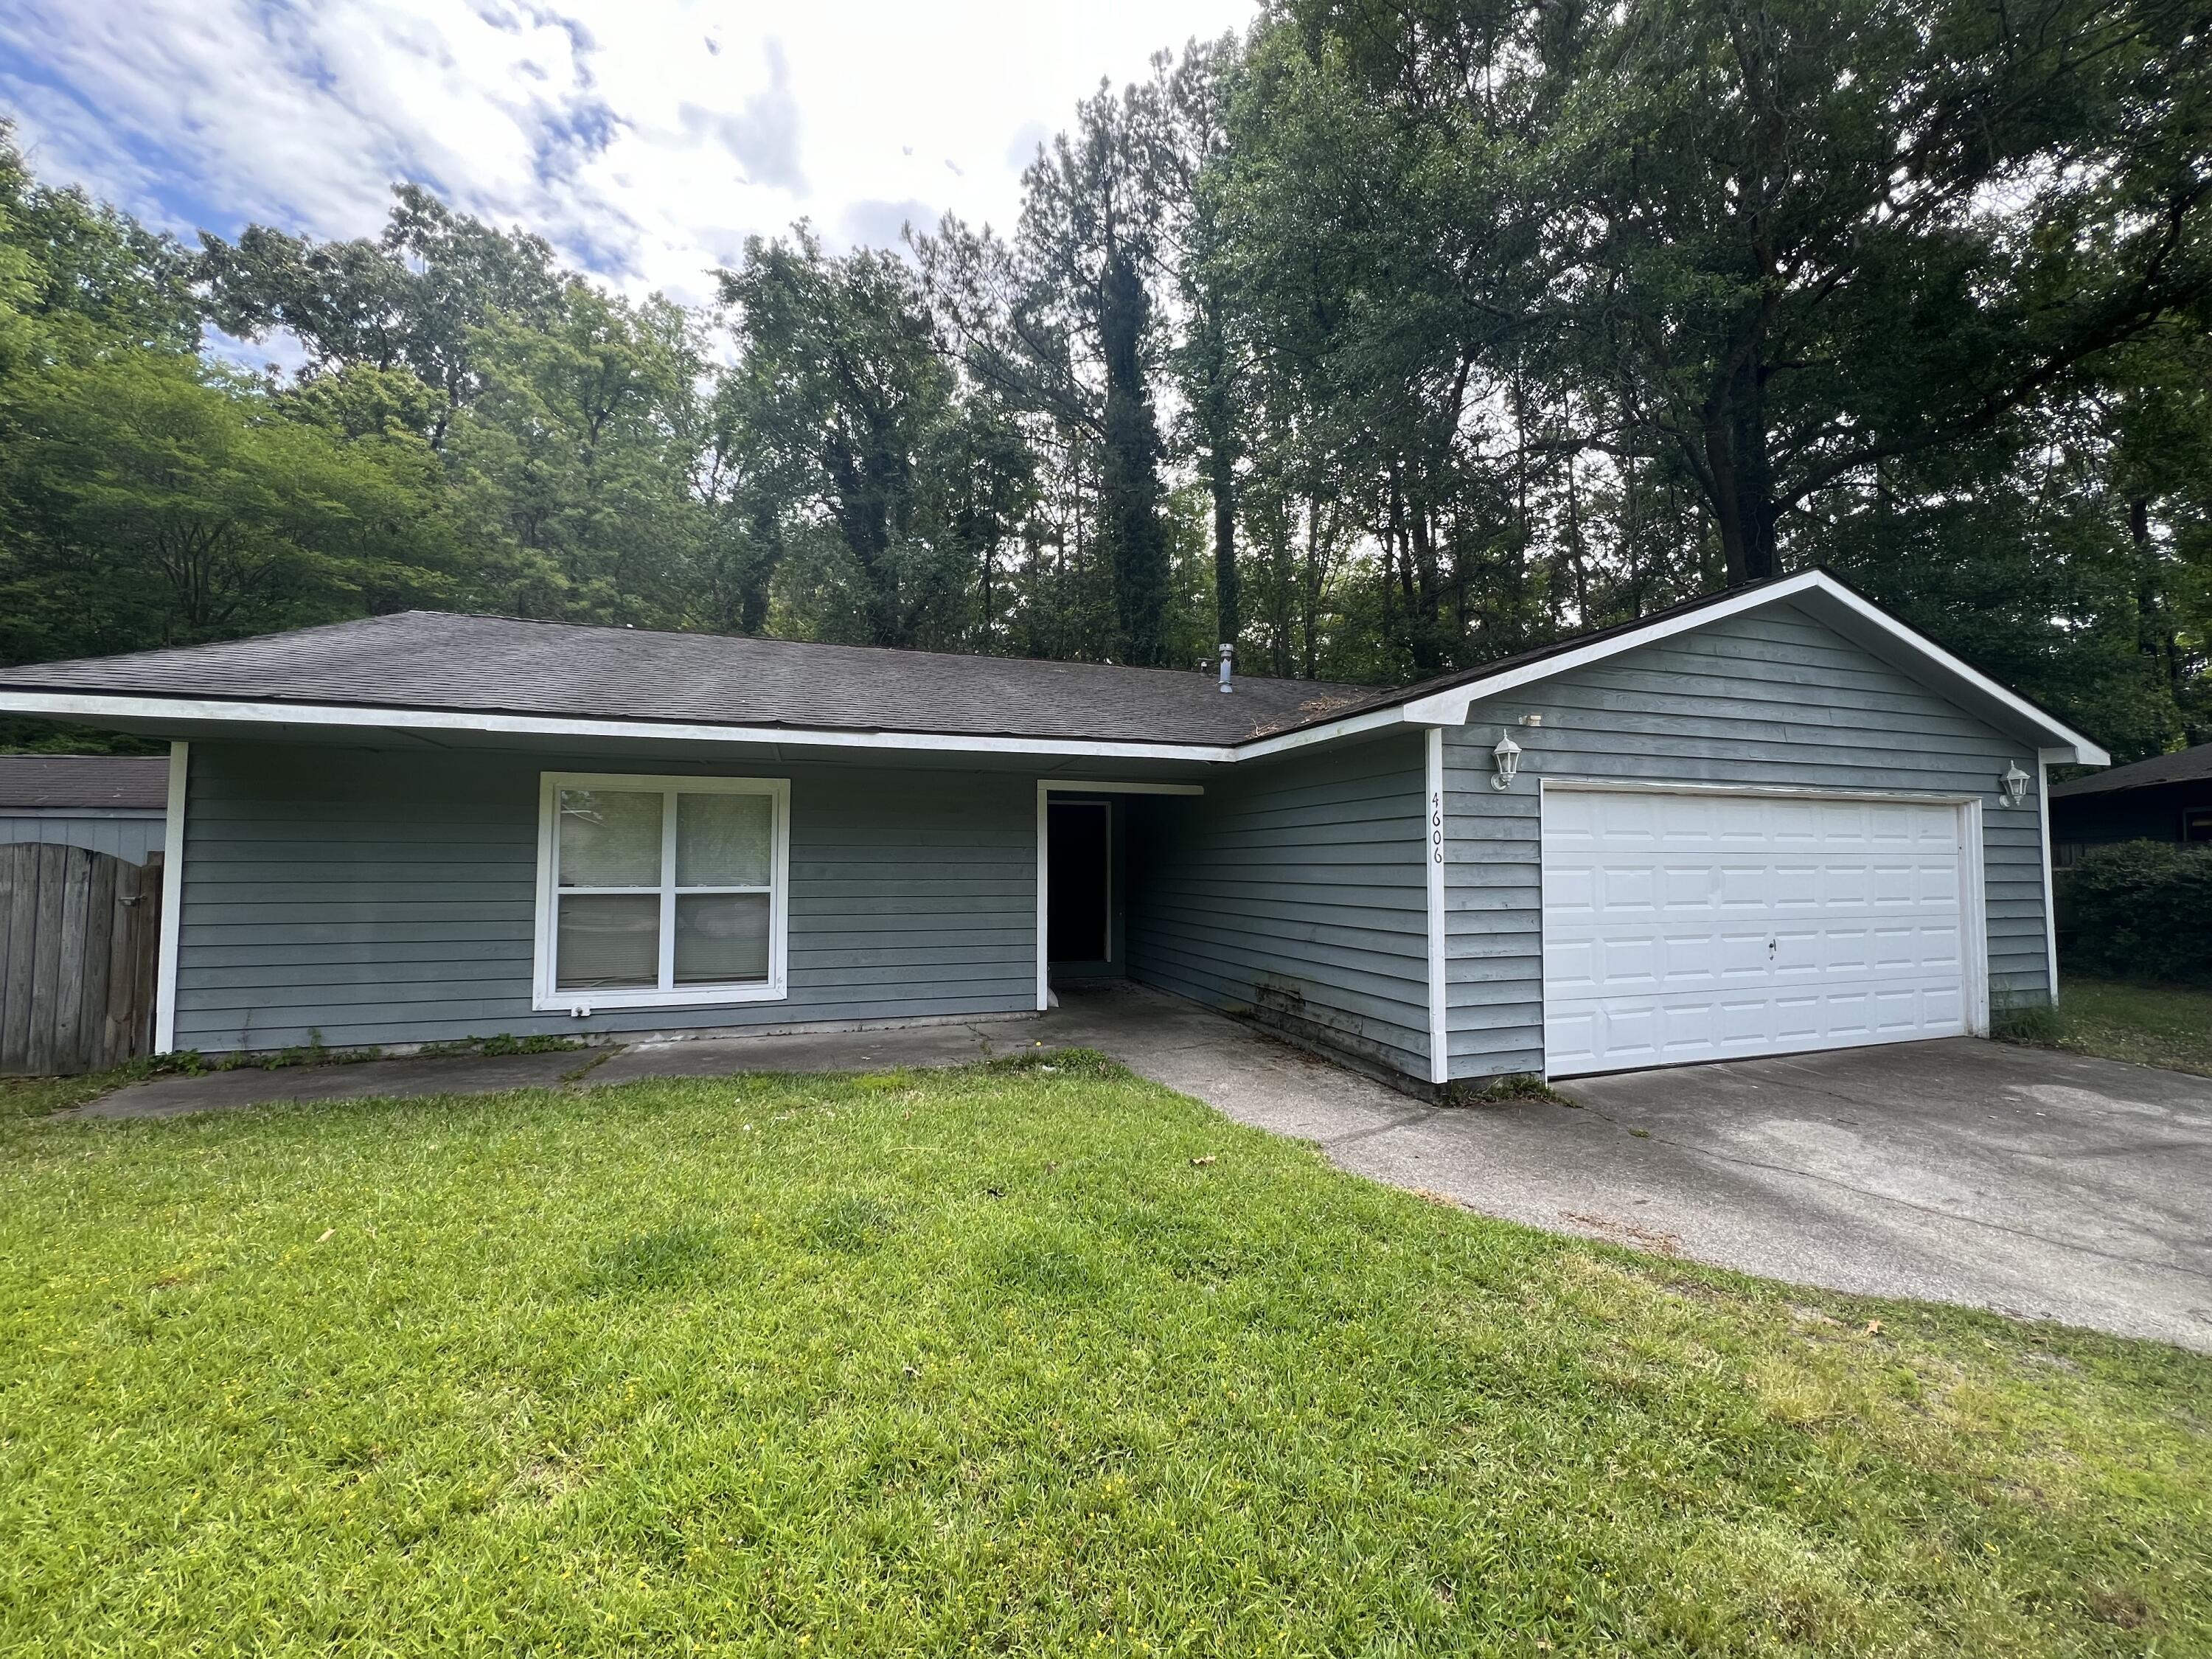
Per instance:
{"type": "Point", "coordinates": [1682, 927]}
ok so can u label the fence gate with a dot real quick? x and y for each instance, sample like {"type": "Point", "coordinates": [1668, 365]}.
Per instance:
{"type": "Point", "coordinates": [80, 938]}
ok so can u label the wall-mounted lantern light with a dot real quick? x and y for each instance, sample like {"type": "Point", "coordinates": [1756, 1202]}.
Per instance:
{"type": "Point", "coordinates": [1508, 756]}
{"type": "Point", "coordinates": [2015, 783]}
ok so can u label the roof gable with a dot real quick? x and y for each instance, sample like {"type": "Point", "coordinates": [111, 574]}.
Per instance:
{"type": "Point", "coordinates": [1850, 614]}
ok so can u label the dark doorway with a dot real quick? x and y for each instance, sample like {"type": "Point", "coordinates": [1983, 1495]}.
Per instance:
{"type": "Point", "coordinates": [1079, 865]}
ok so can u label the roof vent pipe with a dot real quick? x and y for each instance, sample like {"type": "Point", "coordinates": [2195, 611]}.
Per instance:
{"type": "Point", "coordinates": [1228, 656]}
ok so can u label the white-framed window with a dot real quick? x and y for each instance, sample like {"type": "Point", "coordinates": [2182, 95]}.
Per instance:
{"type": "Point", "coordinates": [661, 892]}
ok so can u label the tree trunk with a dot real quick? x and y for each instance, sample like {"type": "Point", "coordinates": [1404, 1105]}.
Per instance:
{"type": "Point", "coordinates": [1228, 595]}
{"type": "Point", "coordinates": [2152, 636]}
{"type": "Point", "coordinates": [1129, 483]}
{"type": "Point", "coordinates": [1743, 480]}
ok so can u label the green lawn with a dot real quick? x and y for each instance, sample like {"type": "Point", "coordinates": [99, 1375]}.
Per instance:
{"type": "Point", "coordinates": [1000, 1360]}
{"type": "Point", "coordinates": [2168, 1025]}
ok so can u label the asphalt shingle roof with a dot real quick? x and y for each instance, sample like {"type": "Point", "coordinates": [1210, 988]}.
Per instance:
{"type": "Point", "coordinates": [111, 782]}
{"type": "Point", "coordinates": [2185, 766]}
{"type": "Point", "coordinates": [424, 660]}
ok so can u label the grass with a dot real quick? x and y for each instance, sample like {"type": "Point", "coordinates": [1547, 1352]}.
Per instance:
{"type": "Point", "coordinates": [1000, 1360]}
{"type": "Point", "coordinates": [2165, 1025]}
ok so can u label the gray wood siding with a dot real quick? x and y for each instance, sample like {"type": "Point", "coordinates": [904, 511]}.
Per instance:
{"type": "Point", "coordinates": [390, 898]}
{"type": "Point", "coordinates": [1293, 889]}
{"type": "Point", "coordinates": [133, 837]}
{"type": "Point", "coordinates": [1775, 698]}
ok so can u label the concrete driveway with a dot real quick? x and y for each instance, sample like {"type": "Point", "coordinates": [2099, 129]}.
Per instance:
{"type": "Point", "coordinates": [2042, 1185]}
{"type": "Point", "coordinates": [2038, 1184]}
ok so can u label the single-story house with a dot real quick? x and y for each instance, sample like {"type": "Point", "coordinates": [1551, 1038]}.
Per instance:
{"type": "Point", "coordinates": [114, 804]}
{"type": "Point", "coordinates": [1773, 820]}
{"type": "Point", "coordinates": [2165, 797]}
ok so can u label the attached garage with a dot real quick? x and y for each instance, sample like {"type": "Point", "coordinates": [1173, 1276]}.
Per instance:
{"type": "Point", "coordinates": [1769, 822]}
{"type": "Point", "coordinates": [1685, 925]}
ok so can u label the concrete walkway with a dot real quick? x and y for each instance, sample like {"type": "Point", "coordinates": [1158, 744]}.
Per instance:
{"type": "Point", "coordinates": [2038, 1184]}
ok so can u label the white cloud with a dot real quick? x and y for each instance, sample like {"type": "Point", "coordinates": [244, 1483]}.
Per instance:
{"type": "Point", "coordinates": [646, 139]}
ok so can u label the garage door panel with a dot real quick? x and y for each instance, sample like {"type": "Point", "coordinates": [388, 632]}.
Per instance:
{"type": "Point", "coordinates": [1687, 927]}
{"type": "Point", "coordinates": [1845, 949]}
{"type": "Point", "coordinates": [1572, 887]}
{"type": "Point", "coordinates": [1741, 955]}
{"type": "Point", "coordinates": [1623, 888]}
{"type": "Point", "coordinates": [1685, 821]}
{"type": "Point", "coordinates": [1630, 964]}
{"type": "Point", "coordinates": [1689, 960]}
{"type": "Point", "coordinates": [1798, 953]}
{"type": "Point", "coordinates": [1571, 964]}
{"type": "Point", "coordinates": [1850, 1016]}
{"type": "Point", "coordinates": [1744, 887]}
{"type": "Point", "coordinates": [1800, 1021]}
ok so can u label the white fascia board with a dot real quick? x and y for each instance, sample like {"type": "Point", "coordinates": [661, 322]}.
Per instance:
{"type": "Point", "coordinates": [2060, 741]}
{"type": "Point", "coordinates": [99, 705]}
{"type": "Point", "coordinates": [1356, 725]}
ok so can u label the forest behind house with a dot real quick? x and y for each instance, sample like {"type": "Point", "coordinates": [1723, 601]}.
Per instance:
{"type": "Point", "coordinates": [1389, 339]}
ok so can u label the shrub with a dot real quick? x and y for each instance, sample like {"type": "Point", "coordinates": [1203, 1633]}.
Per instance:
{"type": "Point", "coordinates": [2141, 909]}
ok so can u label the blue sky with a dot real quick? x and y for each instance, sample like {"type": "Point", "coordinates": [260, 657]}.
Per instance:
{"type": "Point", "coordinates": [646, 139]}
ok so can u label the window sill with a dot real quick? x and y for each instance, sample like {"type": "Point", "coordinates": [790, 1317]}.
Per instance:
{"type": "Point", "coordinates": [722, 996]}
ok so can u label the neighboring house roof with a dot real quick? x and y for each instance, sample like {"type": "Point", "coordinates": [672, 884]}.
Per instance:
{"type": "Point", "coordinates": [109, 783]}
{"type": "Point", "coordinates": [439, 672]}
{"type": "Point", "coordinates": [2185, 766]}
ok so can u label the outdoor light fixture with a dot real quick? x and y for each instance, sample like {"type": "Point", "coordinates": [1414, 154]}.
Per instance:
{"type": "Point", "coordinates": [2015, 783]}
{"type": "Point", "coordinates": [1508, 756]}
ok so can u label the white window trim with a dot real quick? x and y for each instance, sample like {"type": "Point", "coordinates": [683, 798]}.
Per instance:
{"type": "Point", "coordinates": [546, 997]}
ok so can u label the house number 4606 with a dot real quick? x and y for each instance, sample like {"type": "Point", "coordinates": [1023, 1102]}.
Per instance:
{"type": "Point", "coordinates": [1437, 826]}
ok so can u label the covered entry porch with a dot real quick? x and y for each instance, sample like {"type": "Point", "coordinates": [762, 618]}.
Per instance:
{"type": "Point", "coordinates": [1085, 878]}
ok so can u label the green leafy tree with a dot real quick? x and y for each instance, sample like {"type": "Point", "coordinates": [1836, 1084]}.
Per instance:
{"type": "Point", "coordinates": [1062, 323]}
{"type": "Point", "coordinates": [840, 395]}
{"type": "Point", "coordinates": [572, 467]}
{"type": "Point", "coordinates": [163, 501]}
{"type": "Point", "coordinates": [1794, 239]}
{"type": "Point", "coordinates": [418, 297]}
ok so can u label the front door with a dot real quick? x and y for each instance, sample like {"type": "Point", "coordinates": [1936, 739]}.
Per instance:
{"type": "Point", "coordinates": [1078, 884]}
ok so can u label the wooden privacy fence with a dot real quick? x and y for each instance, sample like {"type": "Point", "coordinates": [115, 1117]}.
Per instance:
{"type": "Point", "coordinates": [80, 940]}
